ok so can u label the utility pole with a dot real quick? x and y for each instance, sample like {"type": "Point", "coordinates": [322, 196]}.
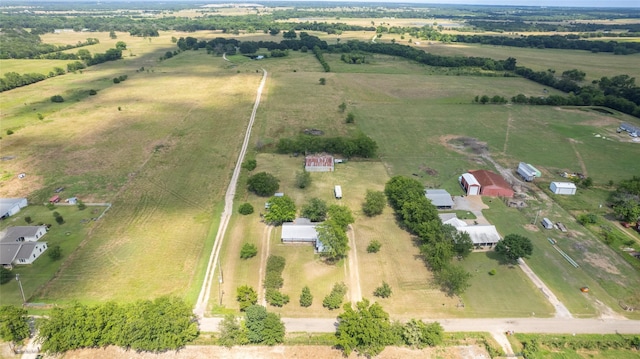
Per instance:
{"type": "Point", "coordinates": [24, 300]}
{"type": "Point", "coordinates": [220, 283]}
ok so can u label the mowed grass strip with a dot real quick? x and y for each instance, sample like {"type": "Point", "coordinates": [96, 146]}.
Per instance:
{"type": "Point", "coordinates": [164, 160]}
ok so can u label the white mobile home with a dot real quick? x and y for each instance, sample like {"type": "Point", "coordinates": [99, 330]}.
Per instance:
{"type": "Point", "coordinates": [568, 188]}
{"type": "Point", "coordinates": [546, 223]}
{"type": "Point", "coordinates": [337, 191]}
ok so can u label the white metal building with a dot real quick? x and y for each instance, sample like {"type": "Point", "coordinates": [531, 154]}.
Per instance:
{"type": "Point", "coordinates": [19, 245]}
{"type": "Point", "coordinates": [527, 172]}
{"type": "Point", "coordinates": [470, 184]}
{"type": "Point", "coordinates": [11, 206]}
{"type": "Point", "coordinates": [439, 198]}
{"type": "Point", "coordinates": [568, 188]}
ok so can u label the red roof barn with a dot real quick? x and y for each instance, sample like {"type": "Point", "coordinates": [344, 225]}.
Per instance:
{"type": "Point", "coordinates": [492, 184]}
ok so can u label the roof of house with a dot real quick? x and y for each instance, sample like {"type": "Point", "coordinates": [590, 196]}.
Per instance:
{"type": "Point", "coordinates": [10, 234]}
{"type": "Point", "coordinates": [319, 161]}
{"type": "Point", "coordinates": [300, 229]}
{"type": "Point", "coordinates": [7, 203]}
{"type": "Point", "coordinates": [488, 178]}
{"type": "Point", "coordinates": [439, 197]}
{"type": "Point", "coordinates": [482, 233]}
{"type": "Point", "coordinates": [470, 179]}
{"type": "Point", "coordinates": [446, 216]}
{"type": "Point", "coordinates": [564, 184]}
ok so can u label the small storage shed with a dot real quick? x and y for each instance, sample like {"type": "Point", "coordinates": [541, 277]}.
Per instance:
{"type": "Point", "coordinates": [546, 223]}
{"type": "Point", "coordinates": [567, 188]}
{"type": "Point", "coordinates": [337, 191]}
{"type": "Point", "coordinates": [11, 206]}
{"type": "Point", "coordinates": [527, 171]}
{"type": "Point", "coordinates": [470, 184]}
{"type": "Point", "coordinates": [54, 199]}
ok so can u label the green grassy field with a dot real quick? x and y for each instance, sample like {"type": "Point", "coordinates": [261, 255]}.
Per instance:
{"type": "Point", "coordinates": [161, 146]}
{"type": "Point", "coordinates": [594, 65]}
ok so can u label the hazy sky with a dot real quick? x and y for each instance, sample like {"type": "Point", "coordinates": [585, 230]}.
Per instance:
{"type": "Point", "coordinates": [541, 3]}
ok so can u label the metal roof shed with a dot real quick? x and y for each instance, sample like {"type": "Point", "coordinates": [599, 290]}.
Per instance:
{"type": "Point", "coordinates": [440, 198]}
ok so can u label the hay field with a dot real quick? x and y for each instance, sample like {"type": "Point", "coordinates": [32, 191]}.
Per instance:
{"type": "Point", "coordinates": [159, 146]}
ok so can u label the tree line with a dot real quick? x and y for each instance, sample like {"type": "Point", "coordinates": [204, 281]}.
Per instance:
{"type": "Point", "coordinates": [439, 243]}
{"type": "Point", "coordinates": [21, 44]}
{"type": "Point", "coordinates": [357, 146]}
{"type": "Point", "coordinates": [162, 324]}
{"type": "Point", "coordinates": [594, 29]}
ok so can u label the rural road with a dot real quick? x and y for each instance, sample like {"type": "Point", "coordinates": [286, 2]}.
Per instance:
{"type": "Point", "coordinates": [353, 273]}
{"type": "Point", "coordinates": [205, 291]}
{"type": "Point", "coordinates": [499, 325]}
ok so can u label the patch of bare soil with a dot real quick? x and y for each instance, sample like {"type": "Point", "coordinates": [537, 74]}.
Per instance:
{"type": "Point", "coordinates": [531, 227]}
{"type": "Point", "coordinates": [428, 170]}
{"type": "Point", "coordinates": [600, 262]}
{"type": "Point", "coordinates": [262, 352]}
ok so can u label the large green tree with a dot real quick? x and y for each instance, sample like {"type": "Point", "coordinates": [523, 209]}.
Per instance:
{"type": "Point", "coordinates": [334, 239]}
{"type": "Point", "coordinates": [263, 184]}
{"type": "Point", "coordinates": [315, 210]}
{"type": "Point", "coordinates": [400, 189]}
{"type": "Point", "coordinates": [453, 279]}
{"type": "Point", "coordinates": [374, 203]}
{"type": "Point", "coordinates": [281, 209]}
{"type": "Point", "coordinates": [626, 199]}
{"type": "Point", "coordinates": [246, 296]}
{"type": "Point", "coordinates": [366, 329]}
{"type": "Point", "coordinates": [514, 246]}
{"type": "Point", "coordinates": [341, 215]}
{"type": "Point", "coordinates": [13, 324]}
{"type": "Point", "coordinates": [263, 327]}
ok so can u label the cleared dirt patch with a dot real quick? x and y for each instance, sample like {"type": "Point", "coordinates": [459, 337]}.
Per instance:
{"type": "Point", "coordinates": [600, 262]}
{"type": "Point", "coordinates": [302, 352]}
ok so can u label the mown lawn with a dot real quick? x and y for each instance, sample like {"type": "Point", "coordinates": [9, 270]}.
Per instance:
{"type": "Point", "coordinates": [67, 235]}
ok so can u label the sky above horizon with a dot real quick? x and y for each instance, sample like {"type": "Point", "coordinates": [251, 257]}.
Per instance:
{"type": "Point", "coordinates": [538, 3]}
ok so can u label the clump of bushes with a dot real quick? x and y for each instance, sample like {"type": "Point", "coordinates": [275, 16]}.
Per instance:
{"type": "Point", "coordinates": [57, 98]}
{"type": "Point", "coordinates": [248, 250]}
{"type": "Point", "coordinates": [245, 209]}
{"type": "Point", "coordinates": [273, 282]}
{"type": "Point", "coordinates": [336, 297]}
{"type": "Point", "coordinates": [374, 246]}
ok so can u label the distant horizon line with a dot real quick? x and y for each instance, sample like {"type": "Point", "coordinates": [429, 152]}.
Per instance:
{"type": "Point", "coordinates": [475, 3]}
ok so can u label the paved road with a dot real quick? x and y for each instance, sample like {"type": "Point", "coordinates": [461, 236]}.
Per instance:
{"type": "Point", "coordinates": [519, 325]}
{"type": "Point", "coordinates": [205, 291]}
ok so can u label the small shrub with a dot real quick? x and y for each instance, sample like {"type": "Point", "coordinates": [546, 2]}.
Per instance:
{"type": "Point", "coordinates": [374, 246]}
{"type": "Point", "coordinates": [57, 98]}
{"type": "Point", "coordinates": [40, 116]}
{"type": "Point", "coordinates": [55, 253]}
{"type": "Point", "coordinates": [119, 108]}
{"type": "Point", "coordinates": [383, 291]}
{"type": "Point", "coordinates": [250, 165]}
{"type": "Point", "coordinates": [245, 209]}
{"type": "Point", "coordinates": [81, 206]}
{"type": "Point", "coordinates": [351, 118]}
{"type": "Point", "coordinates": [5, 275]}
{"type": "Point", "coordinates": [116, 80]}
{"type": "Point", "coordinates": [306, 299]}
{"type": "Point", "coordinates": [492, 272]}
{"type": "Point", "coordinates": [248, 251]}
{"type": "Point", "coordinates": [9, 132]}
{"type": "Point", "coordinates": [50, 206]}
{"type": "Point", "coordinates": [56, 214]}
{"type": "Point", "coordinates": [28, 219]}
{"type": "Point", "coordinates": [276, 298]}
{"type": "Point", "coordinates": [60, 220]}
{"type": "Point", "coordinates": [323, 81]}
{"type": "Point", "coordinates": [303, 179]}
{"type": "Point", "coordinates": [93, 92]}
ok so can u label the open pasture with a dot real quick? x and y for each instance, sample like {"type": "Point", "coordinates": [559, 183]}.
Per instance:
{"type": "Point", "coordinates": [162, 158]}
